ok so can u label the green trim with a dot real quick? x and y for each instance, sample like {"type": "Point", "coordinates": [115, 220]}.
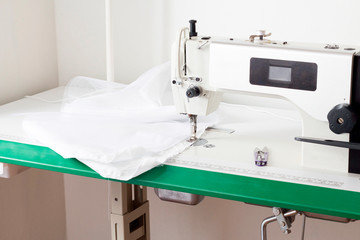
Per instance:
{"type": "Point", "coordinates": [233, 187]}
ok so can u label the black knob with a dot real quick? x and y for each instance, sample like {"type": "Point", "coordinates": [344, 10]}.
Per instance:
{"type": "Point", "coordinates": [192, 32]}
{"type": "Point", "coordinates": [342, 118]}
{"type": "Point", "coordinates": [193, 92]}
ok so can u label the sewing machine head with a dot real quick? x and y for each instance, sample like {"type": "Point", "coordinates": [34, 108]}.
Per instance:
{"type": "Point", "coordinates": [314, 77]}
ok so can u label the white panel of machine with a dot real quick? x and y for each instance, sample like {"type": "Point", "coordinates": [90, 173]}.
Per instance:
{"type": "Point", "coordinates": [229, 68]}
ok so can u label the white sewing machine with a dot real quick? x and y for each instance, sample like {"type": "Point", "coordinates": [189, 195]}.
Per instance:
{"type": "Point", "coordinates": [315, 78]}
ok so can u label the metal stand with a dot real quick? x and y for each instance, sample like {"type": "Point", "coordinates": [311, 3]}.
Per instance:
{"type": "Point", "coordinates": [284, 218]}
{"type": "Point", "coordinates": [129, 212]}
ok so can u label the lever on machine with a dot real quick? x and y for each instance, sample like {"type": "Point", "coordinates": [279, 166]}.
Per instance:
{"type": "Point", "coordinates": [259, 34]}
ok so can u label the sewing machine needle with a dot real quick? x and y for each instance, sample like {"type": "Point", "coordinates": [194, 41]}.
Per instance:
{"type": "Point", "coordinates": [193, 125]}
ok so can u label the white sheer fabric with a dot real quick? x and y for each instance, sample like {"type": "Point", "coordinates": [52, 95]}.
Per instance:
{"type": "Point", "coordinates": [119, 131]}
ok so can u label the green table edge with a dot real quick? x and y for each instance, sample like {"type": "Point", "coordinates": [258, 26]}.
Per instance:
{"type": "Point", "coordinates": [220, 185]}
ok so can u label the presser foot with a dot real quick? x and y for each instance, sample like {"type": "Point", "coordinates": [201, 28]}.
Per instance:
{"type": "Point", "coordinates": [193, 126]}
{"type": "Point", "coordinates": [192, 139]}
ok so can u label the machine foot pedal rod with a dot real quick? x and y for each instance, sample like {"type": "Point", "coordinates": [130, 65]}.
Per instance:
{"type": "Point", "coordinates": [283, 217]}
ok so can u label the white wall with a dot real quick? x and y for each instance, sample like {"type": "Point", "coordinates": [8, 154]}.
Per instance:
{"type": "Point", "coordinates": [80, 27]}
{"type": "Point", "coordinates": [31, 203]}
{"type": "Point", "coordinates": [140, 27]}
{"type": "Point", "coordinates": [87, 208]}
{"type": "Point", "coordinates": [32, 206]}
{"type": "Point", "coordinates": [143, 36]}
{"type": "Point", "coordinates": [80, 36]}
{"type": "Point", "coordinates": [28, 61]}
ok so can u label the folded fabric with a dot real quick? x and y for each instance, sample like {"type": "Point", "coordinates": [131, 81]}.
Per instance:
{"type": "Point", "coordinates": [118, 131]}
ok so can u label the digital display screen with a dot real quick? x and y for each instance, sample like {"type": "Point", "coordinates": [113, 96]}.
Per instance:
{"type": "Point", "coordinates": [280, 74]}
{"type": "Point", "coordinates": [283, 74]}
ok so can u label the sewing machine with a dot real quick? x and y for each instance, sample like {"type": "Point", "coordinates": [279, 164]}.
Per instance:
{"type": "Point", "coordinates": [321, 81]}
